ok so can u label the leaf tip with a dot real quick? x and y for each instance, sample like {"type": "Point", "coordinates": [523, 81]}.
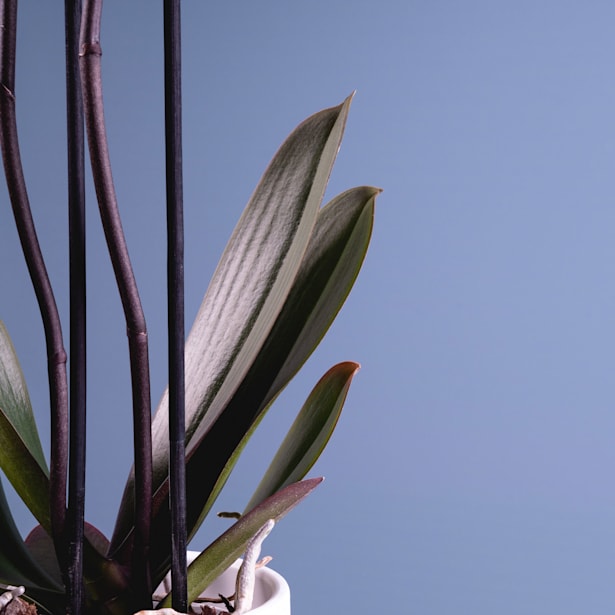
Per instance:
{"type": "Point", "coordinates": [345, 106]}
{"type": "Point", "coordinates": [350, 368]}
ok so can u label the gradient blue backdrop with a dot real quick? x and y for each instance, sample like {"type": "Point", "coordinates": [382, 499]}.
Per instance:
{"type": "Point", "coordinates": [472, 471]}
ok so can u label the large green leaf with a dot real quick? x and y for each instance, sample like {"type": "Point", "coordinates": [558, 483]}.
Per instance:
{"type": "Point", "coordinates": [250, 285]}
{"type": "Point", "coordinates": [332, 261]}
{"type": "Point", "coordinates": [212, 562]}
{"type": "Point", "coordinates": [308, 434]}
{"type": "Point", "coordinates": [258, 268]}
{"type": "Point", "coordinates": [330, 266]}
{"type": "Point", "coordinates": [21, 453]}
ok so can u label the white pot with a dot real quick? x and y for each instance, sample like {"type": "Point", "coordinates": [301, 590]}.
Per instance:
{"type": "Point", "coordinates": [271, 593]}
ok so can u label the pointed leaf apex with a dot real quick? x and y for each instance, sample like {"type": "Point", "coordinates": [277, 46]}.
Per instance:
{"type": "Point", "coordinates": [345, 106]}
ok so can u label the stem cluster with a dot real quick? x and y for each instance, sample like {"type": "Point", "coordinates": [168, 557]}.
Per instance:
{"type": "Point", "coordinates": [85, 107]}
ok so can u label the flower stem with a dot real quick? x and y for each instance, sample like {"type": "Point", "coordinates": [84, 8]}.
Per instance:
{"type": "Point", "coordinates": [175, 285]}
{"type": "Point", "coordinates": [76, 225]}
{"type": "Point", "coordinates": [56, 354]}
{"type": "Point", "coordinates": [91, 82]}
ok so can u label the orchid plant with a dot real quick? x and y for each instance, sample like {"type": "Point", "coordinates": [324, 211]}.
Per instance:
{"type": "Point", "coordinates": [282, 278]}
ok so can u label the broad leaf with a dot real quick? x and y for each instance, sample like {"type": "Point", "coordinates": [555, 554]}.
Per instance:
{"type": "Point", "coordinates": [250, 285]}
{"type": "Point", "coordinates": [330, 266]}
{"type": "Point", "coordinates": [258, 267]}
{"type": "Point", "coordinates": [21, 453]}
{"type": "Point", "coordinates": [309, 433]}
{"type": "Point", "coordinates": [212, 562]}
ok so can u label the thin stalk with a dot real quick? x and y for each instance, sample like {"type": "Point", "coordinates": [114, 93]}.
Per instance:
{"type": "Point", "coordinates": [175, 285]}
{"type": "Point", "coordinates": [91, 82]}
{"type": "Point", "coordinates": [76, 225]}
{"type": "Point", "coordinates": [56, 355]}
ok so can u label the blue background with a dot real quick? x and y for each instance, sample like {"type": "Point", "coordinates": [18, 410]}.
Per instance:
{"type": "Point", "coordinates": [472, 468]}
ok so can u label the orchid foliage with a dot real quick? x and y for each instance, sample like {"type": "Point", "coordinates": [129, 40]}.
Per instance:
{"type": "Point", "coordinates": [283, 276]}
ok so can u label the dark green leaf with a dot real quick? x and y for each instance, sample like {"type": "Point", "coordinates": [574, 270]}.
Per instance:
{"type": "Point", "coordinates": [331, 265]}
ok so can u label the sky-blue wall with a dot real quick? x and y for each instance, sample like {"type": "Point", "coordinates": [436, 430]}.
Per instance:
{"type": "Point", "coordinates": [472, 471]}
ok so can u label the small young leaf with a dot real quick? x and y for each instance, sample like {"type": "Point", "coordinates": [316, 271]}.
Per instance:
{"type": "Point", "coordinates": [309, 433]}
{"type": "Point", "coordinates": [214, 560]}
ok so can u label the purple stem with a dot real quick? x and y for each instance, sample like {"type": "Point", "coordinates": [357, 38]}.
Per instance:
{"type": "Point", "coordinates": [56, 355]}
{"type": "Point", "coordinates": [76, 224]}
{"type": "Point", "coordinates": [91, 82]}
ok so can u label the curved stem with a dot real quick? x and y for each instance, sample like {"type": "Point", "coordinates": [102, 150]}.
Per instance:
{"type": "Point", "coordinates": [56, 355]}
{"type": "Point", "coordinates": [91, 82]}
